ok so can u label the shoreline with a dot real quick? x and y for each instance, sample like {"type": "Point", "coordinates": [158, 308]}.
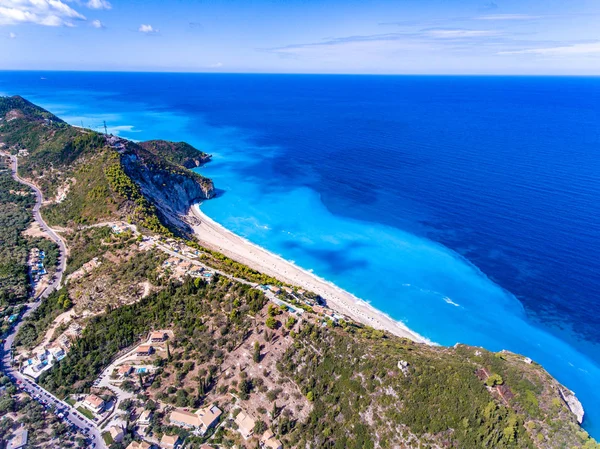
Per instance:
{"type": "Point", "coordinates": [217, 237]}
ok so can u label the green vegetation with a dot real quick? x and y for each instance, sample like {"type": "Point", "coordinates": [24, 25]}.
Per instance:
{"type": "Point", "coordinates": [350, 376]}
{"type": "Point", "coordinates": [85, 412]}
{"type": "Point", "coordinates": [15, 217]}
{"type": "Point", "coordinates": [26, 108]}
{"type": "Point", "coordinates": [184, 307]}
{"type": "Point", "coordinates": [180, 153]}
{"type": "Point", "coordinates": [144, 212]}
{"type": "Point", "coordinates": [493, 380]}
{"type": "Point", "coordinates": [237, 269]}
{"type": "Point", "coordinates": [61, 157]}
{"type": "Point", "coordinates": [106, 436]}
{"type": "Point", "coordinates": [33, 329]}
{"type": "Point", "coordinates": [271, 322]}
{"type": "Point", "coordinates": [335, 386]}
{"type": "Point", "coordinates": [16, 203]}
{"type": "Point", "coordinates": [90, 198]}
{"type": "Point", "coordinates": [86, 244]}
{"type": "Point", "coordinates": [256, 353]}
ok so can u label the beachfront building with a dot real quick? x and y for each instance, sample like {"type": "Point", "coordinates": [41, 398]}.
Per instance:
{"type": "Point", "coordinates": [144, 350]}
{"type": "Point", "coordinates": [268, 441]}
{"type": "Point", "coordinates": [139, 445]}
{"type": "Point", "coordinates": [275, 289]}
{"type": "Point", "coordinates": [158, 337]}
{"type": "Point", "coordinates": [94, 403]}
{"type": "Point", "coordinates": [245, 425]}
{"type": "Point", "coordinates": [169, 441]}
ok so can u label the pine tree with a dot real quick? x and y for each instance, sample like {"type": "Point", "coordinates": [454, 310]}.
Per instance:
{"type": "Point", "coordinates": [274, 411]}
{"type": "Point", "coordinates": [256, 356]}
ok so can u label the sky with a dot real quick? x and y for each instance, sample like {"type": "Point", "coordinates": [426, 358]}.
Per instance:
{"type": "Point", "coordinates": [520, 37]}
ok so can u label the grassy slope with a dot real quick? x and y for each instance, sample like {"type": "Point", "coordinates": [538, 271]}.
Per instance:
{"type": "Point", "coordinates": [60, 155]}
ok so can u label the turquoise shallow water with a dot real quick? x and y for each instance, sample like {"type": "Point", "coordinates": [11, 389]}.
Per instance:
{"type": "Point", "coordinates": [433, 290]}
{"type": "Point", "coordinates": [369, 182]}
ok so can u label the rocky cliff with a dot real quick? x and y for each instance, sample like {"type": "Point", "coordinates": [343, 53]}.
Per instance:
{"type": "Point", "coordinates": [171, 189]}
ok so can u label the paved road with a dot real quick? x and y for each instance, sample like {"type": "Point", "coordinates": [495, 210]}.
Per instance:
{"type": "Point", "coordinates": [62, 262]}
{"type": "Point", "coordinates": [72, 416]}
{"type": "Point", "coordinates": [164, 248]}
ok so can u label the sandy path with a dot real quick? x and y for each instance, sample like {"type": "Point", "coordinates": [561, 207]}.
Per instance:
{"type": "Point", "coordinates": [216, 237]}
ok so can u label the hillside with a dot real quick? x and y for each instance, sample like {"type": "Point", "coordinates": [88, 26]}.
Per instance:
{"type": "Point", "coordinates": [16, 203]}
{"type": "Point", "coordinates": [160, 328]}
{"type": "Point", "coordinates": [177, 152]}
{"type": "Point", "coordinates": [87, 177]}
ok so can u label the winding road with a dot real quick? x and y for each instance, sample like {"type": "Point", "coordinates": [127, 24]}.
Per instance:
{"type": "Point", "coordinates": [73, 417]}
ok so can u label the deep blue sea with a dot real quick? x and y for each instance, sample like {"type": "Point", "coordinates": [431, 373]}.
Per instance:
{"type": "Point", "coordinates": [466, 207]}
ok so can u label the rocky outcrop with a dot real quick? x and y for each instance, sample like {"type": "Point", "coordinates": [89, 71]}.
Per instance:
{"type": "Point", "coordinates": [180, 153]}
{"type": "Point", "coordinates": [573, 403]}
{"type": "Point", "coordinates": [172, 190]}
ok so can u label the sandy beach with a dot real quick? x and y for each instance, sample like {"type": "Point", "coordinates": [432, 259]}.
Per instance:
{"type": "Point", "coordinates": [216, 237]}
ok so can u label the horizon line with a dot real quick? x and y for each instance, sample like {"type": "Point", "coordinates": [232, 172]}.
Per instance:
{"type": "Point", "coordinates": [182, 72]}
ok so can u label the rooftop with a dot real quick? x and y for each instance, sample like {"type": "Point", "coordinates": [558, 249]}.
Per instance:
{"type": "Point", "coordinates": [245, 423]}
{"type": "Point", "coordinates": [169, 439]}
{"type": "Point", "coordinates": [187, 418]}
{"type": "Point", "coordinates": [209, 415]}
{"type": "Point", "coordinates": [94, 400]}
{"type": "Point", "coordinates": [139, 445]}
{"type": "Point", "coordinates": [145, 415]}
{"type": "Point", "coordinates": [124, 369]}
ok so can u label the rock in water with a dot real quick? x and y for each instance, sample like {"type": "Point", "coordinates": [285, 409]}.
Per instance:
{"type": "Point", "coordinates": [573, 404]}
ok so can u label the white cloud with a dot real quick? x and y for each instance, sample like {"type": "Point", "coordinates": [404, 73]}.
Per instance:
{"type": "Point", "coordinates": [98, 4]}
{"type": "Point", "coordinates": [97, 24]}
{"type": "Point", "coordinates": [589, 48]}
{"type": "Point", "coordinates": [216, 65]}
{"type": "Point", "coordinates": [41, 12]}
{"type": "Point", "coordinates": [147, 29]}
{"type": "Point", "coordinates": [508, 17]}
{"type": "Point", "coordinates": [12, 36]}
{"type": "Point", "coordinates": [458, 33]}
